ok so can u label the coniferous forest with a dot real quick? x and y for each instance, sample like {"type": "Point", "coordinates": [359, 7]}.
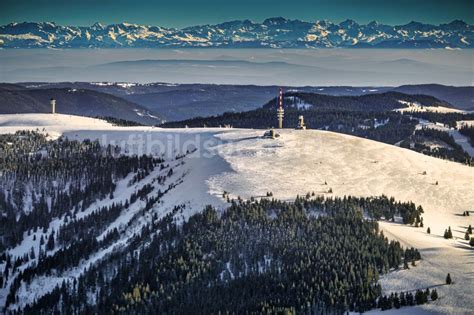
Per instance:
{"type": "Point", "coordinates": [55, 176]}
{"type": "Point", "coordinates": [315, 254]}
{"type": "Point", "coordinates": [442, 145]}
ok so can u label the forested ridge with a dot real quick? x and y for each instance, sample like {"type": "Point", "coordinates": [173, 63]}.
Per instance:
{"type": "Point", "coordinates": [371, 102]}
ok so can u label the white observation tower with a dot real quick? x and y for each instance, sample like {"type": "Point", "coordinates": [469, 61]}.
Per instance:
{"type": "Point", "coordinates": [280, 110]}
{"type": "Point", "coordinates": [52, 102]}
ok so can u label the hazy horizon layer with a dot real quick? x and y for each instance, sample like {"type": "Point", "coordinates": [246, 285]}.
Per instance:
{"type": "Point", "coordinates": [293, 67]}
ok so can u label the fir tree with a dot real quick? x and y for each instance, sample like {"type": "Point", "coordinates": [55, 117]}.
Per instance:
{"type": "Point", "coordinates": [448, 234]}
{"type": "Point", "coordinates": [403, 301]}
{"type": "Point", "coordinates": [396, 301]}
{"type": "Point", "coordinates": [50, 243]}
{"type": "Point", "coordinates": [420, 297]}
{"type": "Point", "coordinates": [448, 279]}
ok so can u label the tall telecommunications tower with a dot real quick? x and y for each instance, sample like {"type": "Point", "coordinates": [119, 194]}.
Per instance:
{"type": "Point", "coordinates": [280, 110]}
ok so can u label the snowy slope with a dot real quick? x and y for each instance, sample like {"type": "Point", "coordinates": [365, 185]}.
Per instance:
{"type": "Point", "coordinates": [242, 163]}
{"type": "Point", "coordinates": [301, 161]}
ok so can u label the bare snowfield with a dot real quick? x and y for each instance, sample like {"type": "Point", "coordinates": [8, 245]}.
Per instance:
{"type": "Point", "coordinates": [434, 109]}
{"type": "Point", "coordinates": [242, 163]}
{"type": "Point", "coordinates": [415, 107]}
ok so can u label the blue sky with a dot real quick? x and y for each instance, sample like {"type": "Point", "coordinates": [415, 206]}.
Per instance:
{"type": "Point", "coordinates": [179, 13]}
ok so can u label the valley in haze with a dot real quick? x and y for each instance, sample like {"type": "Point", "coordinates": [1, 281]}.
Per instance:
{"type": "Point", "coordinates": [288, 67]}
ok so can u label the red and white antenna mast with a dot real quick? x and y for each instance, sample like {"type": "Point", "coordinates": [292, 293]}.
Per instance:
{"type": "Point", "coordinates": [280, 110]}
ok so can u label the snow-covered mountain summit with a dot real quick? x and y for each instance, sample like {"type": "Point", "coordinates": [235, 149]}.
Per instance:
{"type": "Point", "coordinates": [237, 161]}
{"type": "Point", "coordinates": [276, 32]}
{"type": "Point", "coordinates": [242, 163]}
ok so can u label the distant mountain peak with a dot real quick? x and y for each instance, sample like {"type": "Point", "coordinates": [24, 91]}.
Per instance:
{"type": "Point", "coordinates": [458, 23]}
{"type": "Point", "coordinates": [373, 23]}
{"type": "Point", "coordinates": [275, 21]}
{"type": "Point", "coordinates": [98, 26]}
{"type": "Point", "coordinates": [348, 23]}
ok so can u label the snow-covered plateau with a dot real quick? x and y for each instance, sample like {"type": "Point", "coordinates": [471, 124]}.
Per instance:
{"type": "Point", "coordinates": [242, 163]}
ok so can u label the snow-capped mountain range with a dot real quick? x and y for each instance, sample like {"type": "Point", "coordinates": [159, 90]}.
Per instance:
{"type": "Point", "coordinates": [275, 32]}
